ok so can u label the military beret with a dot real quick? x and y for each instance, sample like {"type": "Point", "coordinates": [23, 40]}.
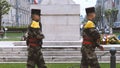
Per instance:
{"type": "Point", "coordinates": [36, 11]}
{"type": "Point", "coordinates": [90, 10]}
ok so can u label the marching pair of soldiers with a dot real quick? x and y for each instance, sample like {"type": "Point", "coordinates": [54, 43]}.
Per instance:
{"type": "Point", "coordinates": [91, 38]}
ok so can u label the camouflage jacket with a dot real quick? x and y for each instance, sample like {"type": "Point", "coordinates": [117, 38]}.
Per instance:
{"type": "Point", "coordinates": [93, 34]}
{"type": "Point", "coordinates": [35, 33]}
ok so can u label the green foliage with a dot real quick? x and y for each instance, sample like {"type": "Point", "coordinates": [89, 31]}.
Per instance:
{"type": "Point", "coordinates": [111, 15]}
{"type": "Point", "coordinates": [114, 13]}
{"type": "Point", "coordinates": [4, 9]}
{"type": "Point", "coordinates": [13, 36]}
{"type": "Point", "coordinates": [107, 14]}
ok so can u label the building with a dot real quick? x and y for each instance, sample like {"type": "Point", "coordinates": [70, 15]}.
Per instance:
{"type": "Point", "coordinates": [105, 5]}
{"type": "Point", "coordinates": [19, 14]}
{"type": "Point", "coordinates": [60, 18]}
{"type": "Point", "coordinates": [98, 2]}
{"type": "Point", "coordinates": [108, 4]}
{"type": "Point", "coordinates": [117, 5]}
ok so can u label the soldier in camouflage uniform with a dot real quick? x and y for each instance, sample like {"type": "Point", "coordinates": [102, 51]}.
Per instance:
{"type": "Point", "coordinates": [34, 42]}
{"type": "Point", "coordinates": [91, 39]}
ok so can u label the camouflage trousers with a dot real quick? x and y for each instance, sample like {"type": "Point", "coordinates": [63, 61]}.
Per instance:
{"type": "Point", "coordinates": [35, 57]}
{"type": "Point", "coordinates": [89, 58]}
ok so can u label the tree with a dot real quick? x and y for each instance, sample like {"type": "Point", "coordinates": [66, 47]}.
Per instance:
{"type": "Point", "coordinates": [111, 16]}
{"type": "Point", "coordinates": [4, 9]}
{"type": "Point", "coordinates": [107, 14]}
{"type": "Point", "coordinates": [114, 13]}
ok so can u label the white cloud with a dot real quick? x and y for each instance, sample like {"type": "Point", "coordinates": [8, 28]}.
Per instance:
{"type": "Point", "coordinates": [84, 4]}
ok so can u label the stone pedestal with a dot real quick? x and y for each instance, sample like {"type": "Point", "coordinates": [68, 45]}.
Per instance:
{"type": "Point", "coordinates": [60, 22]}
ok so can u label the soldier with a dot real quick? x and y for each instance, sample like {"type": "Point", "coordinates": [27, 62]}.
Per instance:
{"type": "Point", "coordinates": [91, 38]}
{"type": "Point", "coordinates": [34, 42]}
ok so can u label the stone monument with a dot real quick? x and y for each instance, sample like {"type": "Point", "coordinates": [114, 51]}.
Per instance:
{"type": "Point", "coordinates": [60, 20]}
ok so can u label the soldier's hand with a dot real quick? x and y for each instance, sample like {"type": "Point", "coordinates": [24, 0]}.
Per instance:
{"type": "Point", "coordinates": [41, 36]}
{"type": "Point", "coordinates": [101, 48]}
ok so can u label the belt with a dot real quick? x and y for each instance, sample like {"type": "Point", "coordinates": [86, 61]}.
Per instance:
{"type": "Point", "coordinates": [33, 39]}
{"type": "Point", "coordinates": [87, 43]}
{"type": "Point", "coordinates": [34, 44]}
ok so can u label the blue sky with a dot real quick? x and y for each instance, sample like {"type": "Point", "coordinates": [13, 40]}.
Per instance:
{"type": "Point", "coordinates": [84, 4]}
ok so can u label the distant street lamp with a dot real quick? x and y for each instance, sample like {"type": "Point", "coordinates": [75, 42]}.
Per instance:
{"type": "Point", "coordinates": [5, 37]}
{"type": "Point", "coordinates": [5, 29]}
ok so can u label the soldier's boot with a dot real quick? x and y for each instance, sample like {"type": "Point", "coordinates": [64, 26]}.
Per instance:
{"type": "Point", "coordinates": [94, 64]}
{"type": "Point", "coordinates": [83, 66]}
{"type": "Point", "coordinates": [84, 63]}
{"type": "Point", "coordinates": [43, 67]}
{"type": "Point", "coordinates": [95, 67]}
{"type": "Point", "coordinates": [30, 67]}
{"type": "Point", "coordinates": [41, 62]}
{"type": "Point", "coordinates": [30, 64]}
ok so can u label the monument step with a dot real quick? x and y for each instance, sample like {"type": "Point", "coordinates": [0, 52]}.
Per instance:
{"type": "Point", "coordinates": [52, 53]}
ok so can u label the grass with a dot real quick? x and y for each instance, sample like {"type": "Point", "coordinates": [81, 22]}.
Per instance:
{"type": "Point", "coordinates": [55, 65]}
{"type": "Point", "coordinates": [17, 36]}
{"type": "Point", "coordinates": [12, 37]}
{"type": "Point", "coordinates": [117, 34]}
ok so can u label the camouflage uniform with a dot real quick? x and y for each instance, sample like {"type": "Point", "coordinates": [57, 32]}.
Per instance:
{"type": "Point", "coordinates": [34, 42]}
{"type": "Point", "coordinates": [35, 56]}
{"type": "Point", "coordinates": [90, 42]}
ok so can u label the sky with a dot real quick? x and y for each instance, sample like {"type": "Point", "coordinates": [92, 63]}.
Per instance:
{"type": "Point", "coordinates": [84, 4]}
